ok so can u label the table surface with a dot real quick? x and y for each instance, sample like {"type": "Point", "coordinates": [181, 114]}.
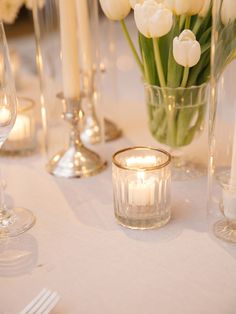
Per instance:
{"type": "Point", "coordinates": [97, 266]}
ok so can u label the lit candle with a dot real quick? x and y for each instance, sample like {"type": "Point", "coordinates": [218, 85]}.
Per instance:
{"type": "Point", "coordinates": [138, 162]}
{"type": "Point", "coordinates": [5, 115]}
{"type": "Point", "coordinates": [141, 191]}
{"type": "Point", "coordinates": [84, 34]}
{"type": "Point", "coordinates": [21, 129]}
{"type": "Point", "coordinates": [69, 47]}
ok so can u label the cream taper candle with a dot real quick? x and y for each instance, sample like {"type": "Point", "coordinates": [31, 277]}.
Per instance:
{"type": "Point", "coordinates": [84, 34]}
{"type": "Point", "coordinates": [69, 48]}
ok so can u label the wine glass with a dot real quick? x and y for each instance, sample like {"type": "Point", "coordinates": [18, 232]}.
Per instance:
{"type": "Point", "coordinates": [13, 221]}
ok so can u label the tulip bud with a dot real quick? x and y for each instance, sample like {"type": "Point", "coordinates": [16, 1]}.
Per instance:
{"type": "Point", "coordinates": [228, 11]}
{"type": "Point", "coordinates": [186, 49]}
{"type": "Point", "coordinates": [153, 20]}
{"type": "Point", "coordinates": [205, 8]}
{"type": "Point", "coordinates": [115, 10]}
{"type": "Point", "coordinates": [189, 7]}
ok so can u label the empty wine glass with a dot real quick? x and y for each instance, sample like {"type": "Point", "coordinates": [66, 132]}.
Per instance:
{"type": "Point", "coordinates": [13, 221]}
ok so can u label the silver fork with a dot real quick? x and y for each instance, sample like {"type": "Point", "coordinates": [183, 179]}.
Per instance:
{"type": "Point", "coordinates": [43, 303]}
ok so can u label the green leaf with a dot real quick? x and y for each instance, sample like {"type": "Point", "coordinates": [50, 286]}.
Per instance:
{"type": "Point", "coordinates": [175, 71]}
{"type": "Point", "coordinates": [197, 69]}
{"type": "Point", "coordinates": [147, 53]}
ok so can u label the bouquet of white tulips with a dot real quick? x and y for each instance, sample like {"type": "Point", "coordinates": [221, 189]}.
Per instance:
{"type": "Point", "coordinates": [174, 41]}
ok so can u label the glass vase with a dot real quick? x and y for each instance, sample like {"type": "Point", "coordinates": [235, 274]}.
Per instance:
{"type": "Point", "coordinates": [222, 162]}
{"type": "Point", "coordinates": [176, 119]}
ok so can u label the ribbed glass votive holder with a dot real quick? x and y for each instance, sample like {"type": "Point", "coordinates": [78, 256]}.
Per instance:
{"type": "Point", "coordinates": [22, 138]}
{"type": "Point", "coordinates": [142, 187]}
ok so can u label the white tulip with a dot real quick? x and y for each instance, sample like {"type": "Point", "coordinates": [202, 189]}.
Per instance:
{"type": "Point", "coordinates": [115, 10]}
{"type": "Point", "coordinates": [205, 8]}
{"type": "Point", "coordinates": [186, 49]}
{"type": "Point", "coordinates": [195, 6]}
{"type": "Point", "coordinates": [153, 20]}
{"type": "Point", "coordinates": [134, 2]}
{"type": "Point", "coordinates": [189, 7]}
{"type": "Point", "coordinates": [178, 7]}
{"type": "Point", "coordinates": [228, 11]}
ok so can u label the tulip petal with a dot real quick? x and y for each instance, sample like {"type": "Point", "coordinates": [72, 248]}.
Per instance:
{"type": "Point", "coordinates": [194, 54]}
{"type": "Point", "coordinates": [160, 23]}
{"type": "Point", "coordinates": [228, 11]}
{"type": "Point", "coordinates": [152, 19]}
{"type": "Point", "coordinates": [115, 10]}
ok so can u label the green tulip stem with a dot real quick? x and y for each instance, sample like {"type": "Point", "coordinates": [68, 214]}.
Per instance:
{"type": "Point", "coordinates": [185, 77]}
{"type": "Point", "coordinates": [131, 44]}
{"type": "Point", "coordinates": [158, 62]}
{"type": "Point", "coordinates": [187, 22]}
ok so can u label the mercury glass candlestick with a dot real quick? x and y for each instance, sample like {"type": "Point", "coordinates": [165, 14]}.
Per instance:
{"type": "Point", "coordinates": [141, 186]}
{"type": "Point", "coordinates": [95, 128]}
{"type": "Point", "coordinates": [76, 160]}
{"type": "Point", "coordinates": [22, 138]}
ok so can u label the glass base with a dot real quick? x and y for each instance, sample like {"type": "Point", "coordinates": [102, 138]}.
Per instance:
{"type": "Point", "coordinates": [15, 222]}
{"type": "Point", "coordinates": [225, 230]}
{"type": "Point", "coordinates": [142, 224]}
{"type": "Point", "coordinates": [185, 170]}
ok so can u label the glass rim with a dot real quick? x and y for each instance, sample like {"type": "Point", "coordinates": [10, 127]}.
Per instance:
{"type": "Point", "coordinates": [30, 104]}
{"type": "Point", "coordinates": [179, 88]}
{"type": "Point", "coordinates": [147, 148]}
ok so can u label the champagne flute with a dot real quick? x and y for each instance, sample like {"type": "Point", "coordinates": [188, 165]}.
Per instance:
{"type": "Point", "coordinates": [13, 221]}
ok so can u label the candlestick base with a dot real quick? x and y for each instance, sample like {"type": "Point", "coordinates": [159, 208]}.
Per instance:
{"type": "Point", "coordinates": [112, 131]}
{"type": "Point", "coordinates": [92, 131]}
{"type": "Point", "coordinates": [76, 162]}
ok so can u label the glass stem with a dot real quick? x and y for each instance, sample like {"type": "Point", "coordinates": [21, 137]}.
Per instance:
{"type": "Point", "coordinates": [3, 206]}
{"type": "Point", "coordinates": [131, 44]}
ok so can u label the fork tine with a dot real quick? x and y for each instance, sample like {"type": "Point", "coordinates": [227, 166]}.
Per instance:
{"type": "Point", "coordinates": [40, 302]}
{"type": "Point", "coordinates": [53, 304]}
{"type": "Point", "coordinates": [34, 302]}
{"type": "Point", "coordinates": [49, 304]}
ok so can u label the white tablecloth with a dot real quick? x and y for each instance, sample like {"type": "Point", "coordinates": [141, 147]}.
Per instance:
{"type": "Point", "coordinates": [77, 249]}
